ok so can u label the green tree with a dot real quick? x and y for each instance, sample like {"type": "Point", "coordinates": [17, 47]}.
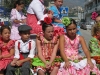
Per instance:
{"type": "Point", "coordinates": [10, 3]}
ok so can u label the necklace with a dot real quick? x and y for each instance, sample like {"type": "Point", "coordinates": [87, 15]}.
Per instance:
{"type": "Point", "coordinates": [72, 43]}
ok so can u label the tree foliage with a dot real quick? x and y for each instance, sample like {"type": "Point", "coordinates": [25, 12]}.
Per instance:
{"type": "Point", "coordinates": [9, 4]}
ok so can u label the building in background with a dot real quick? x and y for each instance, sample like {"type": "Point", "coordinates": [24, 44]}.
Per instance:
{"type": "Point", "coordinates": [76, 12]}
{"type": "Point", "coordinates": [91, 6]}
{"type": "Point", "coordinates": [50, 2]}
{"type": "Point", "coordinates": [1, 2]}
{"type": "Point", "coordinates": [1, 7]}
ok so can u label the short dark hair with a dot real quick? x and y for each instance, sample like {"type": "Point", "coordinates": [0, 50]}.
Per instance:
{"type": "Point", "coordinates": [19, 2]}
{"type": "Point", "coordinates": [24, 32]}
{"type": "Point", "coordinates": [45, 25]}
{"type": "Point", "coordinates": [4, 27]}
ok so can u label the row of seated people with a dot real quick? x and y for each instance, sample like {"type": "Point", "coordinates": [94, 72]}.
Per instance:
{"type": "Point", "coordinates": [47, 45]}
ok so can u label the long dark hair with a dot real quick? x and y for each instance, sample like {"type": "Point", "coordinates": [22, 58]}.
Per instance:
{"type": "Point", "coordinates": [4, 27]}
{"type": "Point", "coordinates": [72, 22]}
{"type": "Point", "coordinates": [45, 25]}
{"type": "Point", "coordinates": [19, 2]}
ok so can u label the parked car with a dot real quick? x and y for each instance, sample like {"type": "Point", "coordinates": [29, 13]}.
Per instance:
{"type": "Point", "coordinates": [83, 26]}
{"type": "Point", "coordinates": [4, 21]}
{"type": "Point", "coordinates": [88, 25]}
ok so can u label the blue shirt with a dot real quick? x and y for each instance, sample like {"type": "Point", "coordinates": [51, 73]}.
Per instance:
{"type": "Point", "coordinates": [56, 12]}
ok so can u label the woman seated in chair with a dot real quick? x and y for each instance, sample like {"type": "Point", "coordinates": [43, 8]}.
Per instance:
{"type": "Point", "coordinates": [57, 13]}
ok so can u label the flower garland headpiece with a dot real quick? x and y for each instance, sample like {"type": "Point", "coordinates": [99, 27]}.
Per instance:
{"type": "Point", "coordinates": [47, 20]}
{"type": "Point", "coordinates": [94, 15]}
{"type": "Point", "coordinates": [66, 21]}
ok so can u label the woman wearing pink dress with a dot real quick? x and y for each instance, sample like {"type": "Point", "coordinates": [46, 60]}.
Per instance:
{"type": "Point", "coordinates": [17, 19]}
{"type": "Point", "coordinates": [6, 48]}
{"type": "Point", "coordinates": [75, 64]}
{"type": "Point", "coordinates": [36, 13]}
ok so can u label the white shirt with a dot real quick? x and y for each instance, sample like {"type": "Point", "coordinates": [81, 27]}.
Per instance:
{"type": "Point", "coordinates": [37, 8]}
{"type": "Point", "coordinates": [24, 48]}
{"type": "Point", "coordinates": [16, 15]}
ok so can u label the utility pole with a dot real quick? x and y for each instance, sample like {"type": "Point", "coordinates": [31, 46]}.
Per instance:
{"type": "Point", "coordinates": [96, 1]}
{"type": "Point", "coordinates": [1, 3]}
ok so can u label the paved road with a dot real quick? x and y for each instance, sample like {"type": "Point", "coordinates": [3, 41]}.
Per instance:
{"type": "Point", "coordinates": [87, 36]}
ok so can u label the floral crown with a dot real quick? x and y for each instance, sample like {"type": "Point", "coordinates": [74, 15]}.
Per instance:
{"type": "Point", "coordinates": [47, 20]}
{"type": "Point", "coordinates": [66, 21]}
{"type": "Point", "coordinates": [94, 15]}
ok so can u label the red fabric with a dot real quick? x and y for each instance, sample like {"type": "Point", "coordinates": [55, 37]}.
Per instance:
{"type": "Point", "coordinates": [30, 45]}
{"type": "Point", "coordinates": [21, 56]}
{"type": "Point", "coordinates": [18, 45]}
{"type": "Point", "coordinates": [32, 21]}
{"type": "Point", "coordinates": [36, 29]}
{"type": "Point", "coordinates": [5, 49]}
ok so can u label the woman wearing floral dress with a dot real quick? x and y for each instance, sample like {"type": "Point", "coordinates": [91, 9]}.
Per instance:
{"type": "Point", "coordinates": [74, 64]}
{"type": "Point", "coordinates": [6, 48]}
{"type": "Point", "coordinates": [47, 46]}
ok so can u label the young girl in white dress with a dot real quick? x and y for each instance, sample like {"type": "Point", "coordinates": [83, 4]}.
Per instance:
{"type": "Point", "coordinates": [17, 18]}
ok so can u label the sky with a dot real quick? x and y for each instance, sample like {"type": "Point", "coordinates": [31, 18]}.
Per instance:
{"type": "Point", "coordinates": [73, 3]}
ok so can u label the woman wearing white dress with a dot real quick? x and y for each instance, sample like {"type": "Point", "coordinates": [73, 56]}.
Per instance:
{"type": "Point", "coordinates": [36, 13]}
